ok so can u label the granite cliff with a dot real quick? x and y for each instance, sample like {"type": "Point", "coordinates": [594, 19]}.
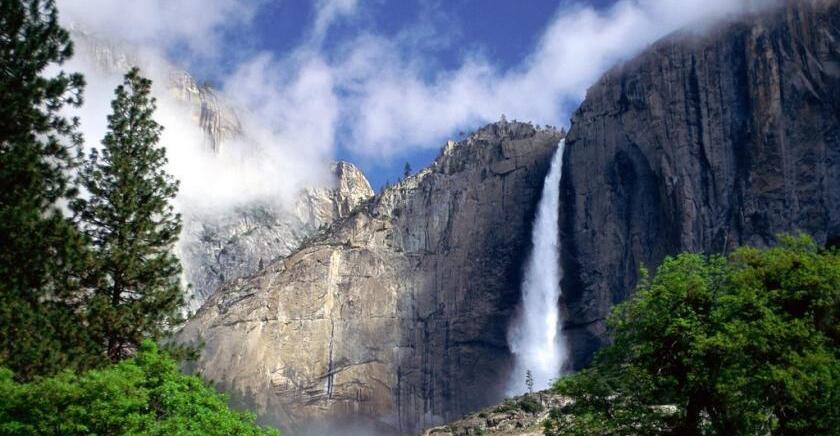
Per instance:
{"type": "Point", "coordinates": [706, 141]}
{"type": "Point", "coordinates": [394, 318]}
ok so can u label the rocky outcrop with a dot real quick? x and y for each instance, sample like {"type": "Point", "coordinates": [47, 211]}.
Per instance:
{"type": "Point", "coordinates": [216, 117]}
{"type": "Point", "coordinates": [704, 142]}
{"type": "Point", "coordinates": [393, 319]}
{"type": "Point", "coordinates": [238, 243]}
{"type": "Point", "coordinates": [519, 416]}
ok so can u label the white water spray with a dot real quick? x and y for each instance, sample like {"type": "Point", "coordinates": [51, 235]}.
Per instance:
{"type": "Point", "coordinates": [534, 337]}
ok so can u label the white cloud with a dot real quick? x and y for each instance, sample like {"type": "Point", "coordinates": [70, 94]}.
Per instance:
{"type": "Point", "coordinates": [375, 90]}
{"type": "Point", "coordinates": [292, 115]}
{"type": "Point", "coordinates": [391, 106]}
{"type": "Point", "coordinates": [280, 153]}
{"type": "Point", "coordinates": [286, 109]}
{"type": "Point", "coordinates": [198, 25]}
{"type": "Point", "coordinates": [327, 11]}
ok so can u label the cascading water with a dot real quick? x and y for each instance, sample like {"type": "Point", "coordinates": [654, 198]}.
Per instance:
{"type": "Point", "coordinates": [535, 337]}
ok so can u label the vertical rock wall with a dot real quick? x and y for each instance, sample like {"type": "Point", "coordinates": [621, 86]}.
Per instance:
{"type": "Point", "coordinates": [706, 141]}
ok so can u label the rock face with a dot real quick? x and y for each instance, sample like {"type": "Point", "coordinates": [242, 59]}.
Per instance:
{"type": "Point", "coordinates": [519, 416]}
{"type": "Point", "coordinates": [209, 110]}
{"type": "Point", "coordinates": [393, 319]}
{"type": "Point", "coordinates": [702, 143]}
{"type": "Point", "coordinates": [238, 243]}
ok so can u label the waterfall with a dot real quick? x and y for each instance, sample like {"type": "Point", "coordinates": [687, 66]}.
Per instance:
{"type": "Point", "coordinates": [534, 336]}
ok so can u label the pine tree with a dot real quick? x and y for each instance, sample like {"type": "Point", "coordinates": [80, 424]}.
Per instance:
{"type": "Point", "coordinates": [132, 226]}
{"type": "Point", "coordinates": [406, 170]}
{"type": "Point", "coordinates": [529, 381]}
{"type": "Point", "coordinates": [41, 250]}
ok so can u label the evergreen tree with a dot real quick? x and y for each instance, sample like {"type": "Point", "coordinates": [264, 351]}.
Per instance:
{"type": "Point", "coordinates": [406, 170]}
{"type": "Point", "coordinates": [41, 251]}
{"type": "Point", "coordinates": [132, 226]}
{"type": "Point", "coordinates": [529, 381]}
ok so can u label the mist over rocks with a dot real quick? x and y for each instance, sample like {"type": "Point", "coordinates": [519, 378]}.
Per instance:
{"type": "Point", "coordinates": [225, 246]}
{"type": "Point", "coordinates": [227, 234]}
{"type": "Point", "coordinates": [704, 142]}
{"type": "Point", "coordinates": [210, 111]}
{"type": "Point", "coordinates": [394, 318]}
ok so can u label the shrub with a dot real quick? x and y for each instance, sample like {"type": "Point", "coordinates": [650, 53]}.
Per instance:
{"type": "Point", "coordinates": [146, 394]}
{"type": "Point", "coordinates": [530, 405]}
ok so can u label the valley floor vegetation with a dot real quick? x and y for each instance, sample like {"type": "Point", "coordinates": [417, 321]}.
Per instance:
{"type": "Point", "coordinates": [88, 280]}
{"type": "Point", "coordinates": [145, 394]}
{"type": "Point", "coordinates": [744, 344]}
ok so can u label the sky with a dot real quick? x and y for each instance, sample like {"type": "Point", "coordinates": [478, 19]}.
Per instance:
{"type": "Point", "coordinates": [384, 82]}
{"type": "Point", "coordinates": [444, 33]}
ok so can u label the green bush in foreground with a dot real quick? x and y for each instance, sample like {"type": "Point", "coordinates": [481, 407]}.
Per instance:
{"type": "Point", "coordinates": [747, 344]}
{"type": "Point", "coordinates": [143, 395]}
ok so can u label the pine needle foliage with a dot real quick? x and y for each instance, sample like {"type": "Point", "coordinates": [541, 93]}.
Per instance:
{"type": "Point", "coordinates": [43, 255]}
{"type": "Point", "coordinates": [132, 225]}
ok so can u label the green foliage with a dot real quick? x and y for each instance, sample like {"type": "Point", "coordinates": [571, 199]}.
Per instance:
{"type": "Point", "coordinates": [530, 405]}
{"type": "Point", "coordinates": [506, 407]}
{"type": "Point", "coordinates": [63, 305]}
{"type": "Point", "coordinates": [132, 226]}
{"type": "Point", "coordinates": [529, 381]}
{"type": "Point", "coordinates": [748, 344]}
{"type": "Point", "coordinates": [142, 395]}
{"type": "Point", "coordinates": [43, 255]}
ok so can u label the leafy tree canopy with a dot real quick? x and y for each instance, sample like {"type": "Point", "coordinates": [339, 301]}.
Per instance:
{"type": "Point", "coordinates": [744, 344]}
{"type": "Point", "coordinates": [142, 395]}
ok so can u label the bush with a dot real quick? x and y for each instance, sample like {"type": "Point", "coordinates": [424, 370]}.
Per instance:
{"type": "Point", "coordinates": [146, 394]}
{"type": "Point", "coordinates": [530, 405]}
{"type": "Point", "coordinates": [506, 407]}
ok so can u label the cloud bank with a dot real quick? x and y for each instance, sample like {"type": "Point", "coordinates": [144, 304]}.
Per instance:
{"type": "Point", "coordinates": [392, 105]}
{"type": "Point", "coordinates": [376, 95]}
{"type": "Point", "coordinates": [199, 26]}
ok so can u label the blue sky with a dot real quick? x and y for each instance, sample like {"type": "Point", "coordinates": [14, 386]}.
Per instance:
{"type": "Point", "coordinates": [503, 31]}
